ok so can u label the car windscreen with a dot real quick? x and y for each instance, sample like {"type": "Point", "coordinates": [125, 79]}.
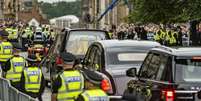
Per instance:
{"type": "Point", "coordinates": [79, 41]}
{"type": "Point", "coordinates": [125, 56]}
{"type": "Point", "coordinates": [188, 70]}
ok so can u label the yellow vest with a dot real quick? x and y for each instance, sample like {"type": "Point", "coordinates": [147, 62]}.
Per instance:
{"type": "Point", "coordinates": [72, 85]}
{"type": "Point", "coordinates": [172, 40]}
{"type": "Point", "coordinates": [157, 37]}
{"type": "Point", "coordinates": [95, 95]}
{"type": "Point", "coordinates": [9, 30]}
{"type": "Point", "coordinates": [163, 34]}
{"type": "Point", "coordinates": [6, 49]}
{"type": "Point", "coordinates": [17, 66]}
{"type": "Point", "coordinates": [13, 35]}
{"type": "Point", "coordinates": [33, 76]}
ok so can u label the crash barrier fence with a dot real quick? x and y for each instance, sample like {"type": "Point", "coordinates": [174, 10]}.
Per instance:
{"type": "Point", "coordinates": [9, 93]}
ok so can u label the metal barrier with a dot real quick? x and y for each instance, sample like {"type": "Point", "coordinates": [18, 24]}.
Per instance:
{"type": "Point", "coordinates": [9, 93]}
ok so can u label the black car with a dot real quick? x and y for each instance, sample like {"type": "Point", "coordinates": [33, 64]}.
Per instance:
{"type": "Point", "coordinates": [167, 75]}
{"type": "Point", "coordinates": [75, 41]}
{"type": "Point", "coordinates": [113, 57]}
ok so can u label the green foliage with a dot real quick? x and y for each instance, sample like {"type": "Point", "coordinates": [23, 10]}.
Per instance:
{"type": "Point", "coordinates": [165, 11]}
{"type": "Point", "coordinates": [61, 8]}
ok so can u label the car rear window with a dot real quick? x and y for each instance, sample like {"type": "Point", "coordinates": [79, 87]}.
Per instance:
{"type": "Point", "coordinates": [125, 56]}
{"type": "Point", "coordinates": [79, 41]}
{"type": "Point", "coordinates": [188, 70]}
{"type": "Point", "coordinates": [131, 56]}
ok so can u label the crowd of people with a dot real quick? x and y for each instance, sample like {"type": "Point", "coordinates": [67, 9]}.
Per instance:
{"type": "Point", "coordinates": [25, 73]}
{"type": "Point", "coordinates": [18, 30]}
{"type": "Point", "coordinates": [170, 35]}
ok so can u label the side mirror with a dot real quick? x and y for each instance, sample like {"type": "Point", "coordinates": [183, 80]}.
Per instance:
{"type": "Point", "coordinates": [132, 72]}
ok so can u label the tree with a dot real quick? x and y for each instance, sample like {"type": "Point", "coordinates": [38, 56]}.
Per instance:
{"type": "Point", "coordinates": [61, 8]}
{"type": "Point", "coordinates": [165, 11]}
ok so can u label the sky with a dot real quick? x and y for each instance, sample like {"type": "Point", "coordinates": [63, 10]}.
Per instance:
{"type": "Point", "coordinates": [50, 1]}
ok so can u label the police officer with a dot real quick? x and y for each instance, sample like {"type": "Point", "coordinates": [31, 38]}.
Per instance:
{"type": "Point", "coordinates": [13, 69]}
{"type": "Point", "coordinates": [92, 92]}
{"type": "Point", "coordinates": [14, 33]}
{"type": "Point", "coordinates": [25, 35]}
{"type": "Point", "coordinates": [8, 29]}
{"type": "Point", "coordinates": [93, 95]}
{"type": "Point", "coordinates": [70, 83]}
{"type": "Point", "coordinates": [32, 80]}
{"type": "Point", "coordinates": [6, 50]}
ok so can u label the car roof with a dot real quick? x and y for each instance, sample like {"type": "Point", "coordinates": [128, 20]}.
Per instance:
{"type": "Point", "coordinates": [82, 29]}
{"type": "Point", "coordinates": [185, 51]}
{"type": "Point", "coordinates": [132, 43]}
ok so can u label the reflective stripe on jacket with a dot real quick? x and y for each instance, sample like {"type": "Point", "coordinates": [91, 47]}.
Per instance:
{"type": "Point", "coordinates": [17, 66]}
{"type": "Point", "coordinates": [72, 85]}
{"type": "Point", "coordinates": [33, 77]}
{"type": "Point", "coordinates": [95, 95]}
{"type": "Point", "coordinates": [6, 50]}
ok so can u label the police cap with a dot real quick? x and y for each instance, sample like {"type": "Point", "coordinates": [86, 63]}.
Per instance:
{"type": "Point", "coordinates": [68, 58]}
{"type": "Point", "coordinates": [92, 76]}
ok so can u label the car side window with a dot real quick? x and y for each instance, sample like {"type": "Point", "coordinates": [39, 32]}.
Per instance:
{"type": "Point", "coordinates": [167, 73]}
{"type": "Point", "coordinates": [97, 60]}
{"type": "Point", "coordinates": [153, 66]}
{"type": "Point", "coordinates": [90, 59]}
{"type": "Point", "coordinates": [145, 66]}
{"type": "Point", "coordinates": [86, 58]}
{"type": "Point", "coordinates": [162, 66]}
{"type": "Point", "coordinates": [58, 44]}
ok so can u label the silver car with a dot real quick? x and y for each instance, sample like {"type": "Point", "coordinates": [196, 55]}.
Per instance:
{"type": "Point", "coordinates": [113, 57]}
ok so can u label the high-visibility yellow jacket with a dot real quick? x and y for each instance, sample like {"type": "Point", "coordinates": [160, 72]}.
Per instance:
{"type": "Point", "coordinates": [172, 40]}
{"type": "Point", "coordinates": [157, 37]}
{"type": "Point", "coordinates": [9, 30]}
{"type": "Point", "coordinates": [28, 32]}
{"type": "Point", "coordinates": [72, 85]}
{"type": "Point", "coordinates": [6, 50]}
{"type": "Point", "coordinates": [95, 95]}
{"type": "Point", "coordinates": [13, 34]}
{"type": "Point", "coordinates": [33, 79]}
{"type": "Point", "coordinates": [16, 68]}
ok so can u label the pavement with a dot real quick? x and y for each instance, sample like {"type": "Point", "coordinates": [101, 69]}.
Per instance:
{"type": "Point", "coordinates": [47, 95]}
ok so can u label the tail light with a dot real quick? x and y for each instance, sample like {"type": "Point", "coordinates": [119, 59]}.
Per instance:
{"type": "Point", "coordinates": [168, 95]}
{"type": "Point", "coordinates": [59, 60]}
{"type": "Point", "coordinates": [105, 85]}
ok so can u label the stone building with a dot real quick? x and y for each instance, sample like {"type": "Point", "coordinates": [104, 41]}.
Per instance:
{"type": "Point", "coordinates": [1, 9]}
{"type": "Point", "coordinates": [10, 8]}
{"type": "Point", "coordinates": [30, 10]}
{"type": "Point", "coordinates": [23, 10]}
{"type": "Point", "coordinates": [95, 8]}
